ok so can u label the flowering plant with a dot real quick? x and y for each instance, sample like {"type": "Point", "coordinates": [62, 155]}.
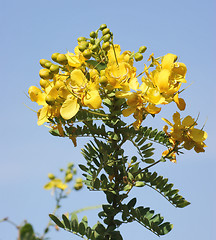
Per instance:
{"type": "Point", "coordinates": [91, 92]}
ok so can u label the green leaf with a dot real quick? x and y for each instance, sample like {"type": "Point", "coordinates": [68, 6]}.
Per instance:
{"type": "Point", "coordinates": [66, 222]}
{"type": "Point", "coordinates": [27, 232]}
{"type": "Point", "coordinates": [96, 65]}
{"type": "Point", "coordinates": [82, 228]}
{"type": "Point", "coordinates": [88, 232]}
{"type": "Point", "coordinates": [97, 183]}
{"type": "Point", "coordinates": [74, 222]}
{"type": "Point", "coordinates": [165, 228]}
{"type": "Point", "coordinates": [56, 221]}
{"type": "Point", "coordinates": [82, 167]}
{"type": "Point", "coordinates": [132, 203]}
{"type": "Point", "coordinates": [149, 160]}
{"type": "Point", "coordinates": [100, 228]}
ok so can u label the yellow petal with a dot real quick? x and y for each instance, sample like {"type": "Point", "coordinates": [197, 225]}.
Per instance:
{"type": "Point", "coordinates": [179, 102]}
{"type": "Point", "coordinates": [168, 60]}
{"type": "Point", "coordinates": [188, 121]}
{"type": "Point", "coordinates": [134, 84]}
{"type": "Point", "coordinates": [123, 94]}
{"type": "Point", "coordinates": [69, 108]}
{"type": "Point", "coordinates": [180, 68]}
{"type": "Point", "coordinates": [128, 111]}
{"type": "Point", "coordinates": [93, 99]}
{"type": "Point", "coordinates": [176, 118]}
{"type": "Point", "coordinates": [78, 78]}
{"type": "Point", "coordinates": [198, 135]}
{"type": "Point", "coordinates": [152, 109]}
{"type": "Point", "coordinates": [163, 80]}
{"type": "Point", "coordinates": [43, 115]}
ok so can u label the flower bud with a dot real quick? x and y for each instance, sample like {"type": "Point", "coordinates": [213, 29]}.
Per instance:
{"type": "Point", "coordinates": [51, 176]}
{"type": "Point", "coordinates": [138, 57]}
{"type": "Point", "coordinates": [87, 53]}
{"type": "Point", "coordinates": [83, 45]}
{"type": "Point", "coordinates": [80, 39]}
{"type": "Point", "coordinates": [43, 83]}
{"type": "Point", "coordinates": [43, 62]}
{"type": "Point", "coordinates": [45, 73]}
{"type": "Point", "coordinates": [59, 84]}
{"type": "Point", "coordinates": [50, 100]}
{"type": "Point", "coordinates": [102, 26]}
{"type": "Point", "coordinates": [92, 34]}
{"type": "Point", "coordinates": [78, 186]}
{"type": "Point", "coordinates": [70, 165]}
{"type": "Point", "coordinates": [106, 37]}
{"type": "Point", "coordinates": [68, 177]}
{"type": "Point", "coordinates": [54, 56]}
{"type": "Point", "coordinates": [62, 59]}
{"type": "Point", "coordinates": [92, 41]}
{"type": "Point", "coordinates": [54, 68]}
{"type": "Point", "coordinates": [142, 49]}
{"type": "Point", "coordinates": [79, 180]}
{"type": "Point", "coordinates": [94, 48]}
{"type": "Point", "coordinates": [105, 31]}
{"type": "Point", "coordinates": [106, 46]}
{"type": "Point", "coordinates": [103, 81]}
{"type": "Point", "coordinates": [48, 64]}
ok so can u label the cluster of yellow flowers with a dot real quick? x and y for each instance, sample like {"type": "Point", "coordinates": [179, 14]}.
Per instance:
{"type": "Point", "coordinates": [78, 82]}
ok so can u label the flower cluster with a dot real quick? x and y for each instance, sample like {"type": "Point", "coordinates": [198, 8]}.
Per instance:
{"type": "Point", "coordinates": [97, 67]}
{"type": "Point", "coordinates": [184, 132]}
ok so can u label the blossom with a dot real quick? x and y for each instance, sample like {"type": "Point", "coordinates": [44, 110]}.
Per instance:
{"type": "Point", "coordinates": [184, 132]}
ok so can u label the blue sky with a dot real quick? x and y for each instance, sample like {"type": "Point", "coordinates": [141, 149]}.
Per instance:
{"type": "Point", "coordinates": [31, 30]}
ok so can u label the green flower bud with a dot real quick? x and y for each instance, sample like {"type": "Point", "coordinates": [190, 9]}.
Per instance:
{"type": "Point", "coordinates": [79, 180]}
{"type": "Point", "coordinates": [94, 48]}
{"type": "Point", "coordinates": [87, 53]}
{"type": "Point", "coordinates": [50, 100]}
{"type": "Point", "coordinates": [92, 41]}
{"type": "Point", "coordinates": [43, 62]}
{"type": "Point", "coordinates": [105, 31]}
{"type": "Point", "coordinates": [80, 39]}
{"type": "Point", "coordinates": [70, 165]}
{"type": "Point", "coordinates": [45, 73]}
{"type": "Point", "coordinates": [142, 49]}
{"type": "Point", "coordinates": [138, 57]}
{"type": "Point", "coordinates": [102, 26]}
{"type": "Point", "coordinates": [92, 34]}
{"type": "Point", "coordinates": [51, 176]}
{"type": "Point", "coordinates": [48, 64]}
{"type": "Point", "coordinates": [106, 46]}
{"type": "Point", "coordinates": [54, 56]}
{"type": "Point", "coordinates": [54, 68]}
{"type": "Point", "coordinates": [43, 83]}
{"type": "Point", "coordinates": [62, 59]}
{"type": "Point", "coordinates": [106, 37]}
{"type": "Point", "coordinates": [103, 81]}
{"type": "Point", "coordinates": [83, 45]}
{"type": "Point", "coordinates": [59, 84]}
{"type": "Point", "coordinates": [78, 186]}
{"type": "Point", "coordinates": [69, 177]}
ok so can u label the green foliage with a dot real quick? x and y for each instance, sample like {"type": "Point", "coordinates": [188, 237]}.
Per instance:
{"type": "Point", "coordinates": [161, 185]}
{"type": "Point", "coordinates": [26, 232]}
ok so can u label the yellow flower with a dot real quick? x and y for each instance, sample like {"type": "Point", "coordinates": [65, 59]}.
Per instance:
{"type": "Point", "coordinates": [120, 71]}
{"type": "Point", "coordinates": [82, 91]}
{"type": "Point", "coordinates": [184, 132]}
{"type": "Point", "coordinates": [166, 81]}
{"type": "Point", "coordinates": [55, 183]}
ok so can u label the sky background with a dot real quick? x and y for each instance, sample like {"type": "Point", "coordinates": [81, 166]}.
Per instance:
{"type": "Point", "coordinates": [31, 30]}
